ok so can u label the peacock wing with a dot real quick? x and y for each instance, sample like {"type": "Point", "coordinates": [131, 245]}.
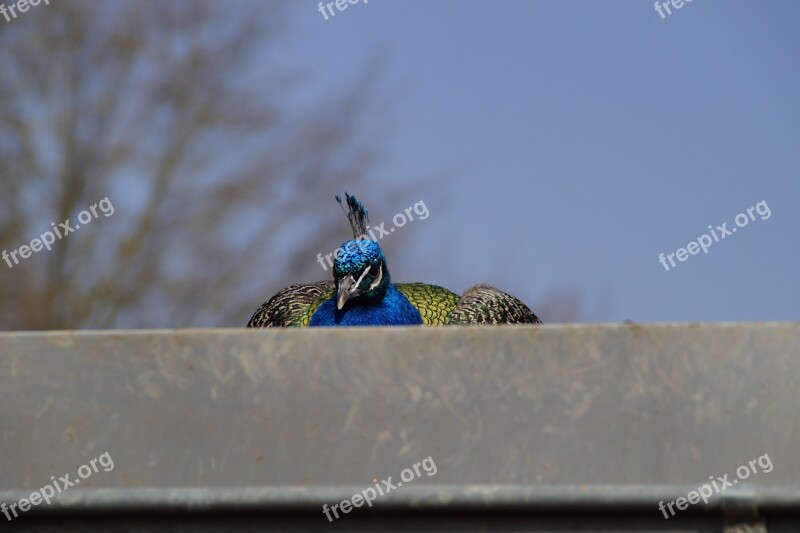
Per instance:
{"type": "Point", "coordinates": [292, 306]}
{"type": "Point", "coordinates": [483, 304]}
{"type": "Point", "coordinates": [434, 303]}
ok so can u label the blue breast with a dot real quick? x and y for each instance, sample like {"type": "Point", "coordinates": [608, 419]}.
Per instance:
{"type": "Point", "coordinates": [393, 310]}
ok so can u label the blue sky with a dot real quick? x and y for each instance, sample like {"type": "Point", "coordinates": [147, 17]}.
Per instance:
{"type": "Point", "coordinates": [567, 144]}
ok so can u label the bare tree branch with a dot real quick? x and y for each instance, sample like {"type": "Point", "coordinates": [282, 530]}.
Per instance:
{"type": "Point", "coordinates": [152, 104]}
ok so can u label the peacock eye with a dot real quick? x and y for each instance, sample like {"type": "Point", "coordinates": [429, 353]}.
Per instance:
{"type": "Point", "coordinates": [375, 269]}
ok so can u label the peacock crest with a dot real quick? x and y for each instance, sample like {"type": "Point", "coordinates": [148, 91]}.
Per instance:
{"type": "Point", "coordinates": [357, 214]}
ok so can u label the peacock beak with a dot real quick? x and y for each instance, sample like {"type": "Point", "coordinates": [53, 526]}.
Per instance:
{"type": "Point", "coordinates": [347, 290]}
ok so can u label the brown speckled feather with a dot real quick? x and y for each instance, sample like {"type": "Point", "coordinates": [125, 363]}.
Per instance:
{"type": "Point", "coordinates": [483, 304]}
{"type": "Point", "coordinates": [292, 306]}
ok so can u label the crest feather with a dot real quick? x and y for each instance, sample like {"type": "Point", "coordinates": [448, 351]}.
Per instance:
{"type": "Point", "coordinates": [356, 214]}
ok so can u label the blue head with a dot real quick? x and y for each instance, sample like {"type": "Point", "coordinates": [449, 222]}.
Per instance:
{"type": "Point", "coordinates": [360, 272]}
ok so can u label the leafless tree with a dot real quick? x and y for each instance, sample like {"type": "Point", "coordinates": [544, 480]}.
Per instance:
{"type": "Point", "coordinates": [185, 116]}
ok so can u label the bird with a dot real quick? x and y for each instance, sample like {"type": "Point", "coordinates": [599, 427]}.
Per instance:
{"type": "Point", "coordinates": [362, 294]}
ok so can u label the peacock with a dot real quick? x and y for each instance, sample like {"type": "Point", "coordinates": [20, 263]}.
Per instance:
{"type": "Point", "coordinates": [362, 294]}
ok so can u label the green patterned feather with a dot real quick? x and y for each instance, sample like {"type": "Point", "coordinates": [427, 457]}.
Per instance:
{"type": "Point", "coordinates": [434, 303]}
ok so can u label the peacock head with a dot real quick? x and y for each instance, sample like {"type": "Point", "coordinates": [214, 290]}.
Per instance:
{"type": "Point", "coordinates": [359, 266]}
{"type": "Point", "coordinates": [360, 272]}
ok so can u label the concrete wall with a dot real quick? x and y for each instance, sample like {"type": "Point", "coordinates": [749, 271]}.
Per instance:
{"type": "Point", "coordinates": [626, 404]}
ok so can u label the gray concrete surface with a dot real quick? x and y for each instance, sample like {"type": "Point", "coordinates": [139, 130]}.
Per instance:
{"type": "Point", "coordinates": [593, 404]}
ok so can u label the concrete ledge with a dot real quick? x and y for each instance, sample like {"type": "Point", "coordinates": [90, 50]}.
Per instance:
{"type": "Point", "coordinates": [623, 404]}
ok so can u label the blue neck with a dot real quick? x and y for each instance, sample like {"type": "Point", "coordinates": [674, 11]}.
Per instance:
{"type": "Point", "coordinates": [393, 310]}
